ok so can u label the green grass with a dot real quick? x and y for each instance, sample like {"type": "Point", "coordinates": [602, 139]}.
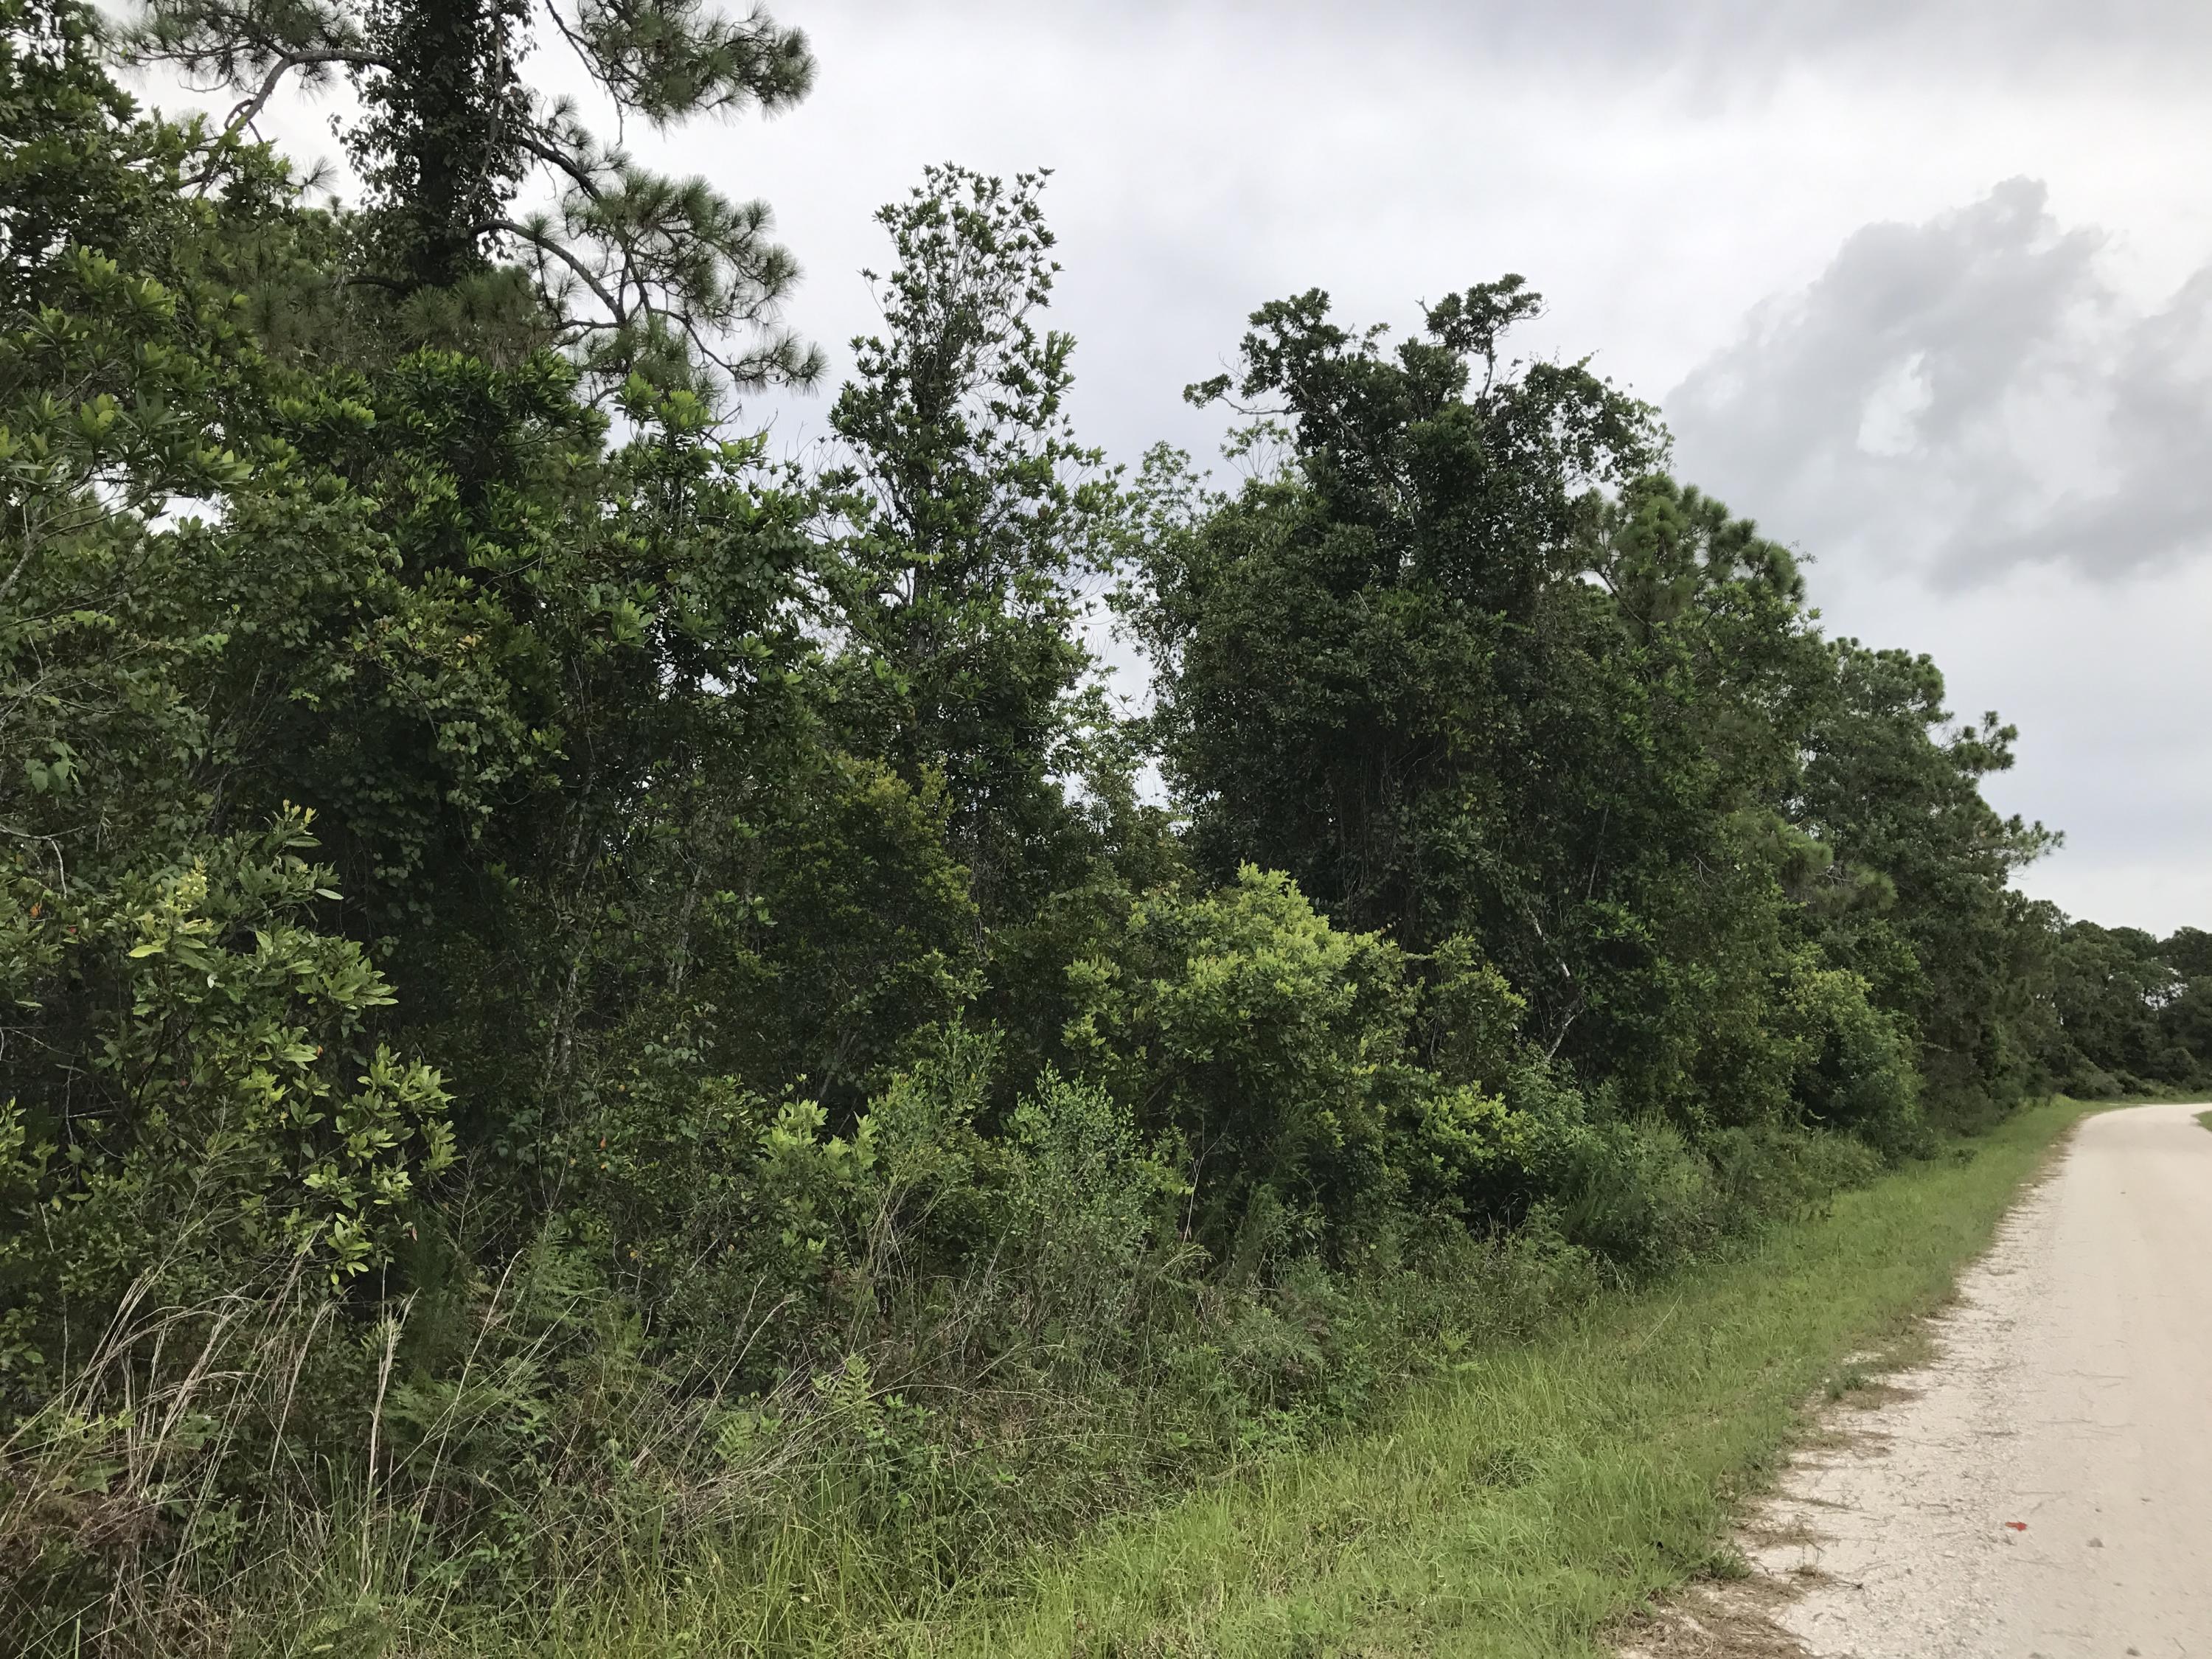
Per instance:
{"type": "Point", "coordinates": [1522, 1508]}
{"type": "Point", "coordinates": [2205, 1118]}
{"type": "Point", "coordinates": [1550, 1490]}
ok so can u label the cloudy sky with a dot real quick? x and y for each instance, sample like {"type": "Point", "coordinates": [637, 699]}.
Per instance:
{"type": "Point", "coordinates": [1924, 286]}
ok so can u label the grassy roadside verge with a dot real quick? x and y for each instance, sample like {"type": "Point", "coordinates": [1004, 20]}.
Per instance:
{"type": "Point", "coordinates": [1548, 1490]}
{"type": "Point", "coordinates": [1516, 1509]}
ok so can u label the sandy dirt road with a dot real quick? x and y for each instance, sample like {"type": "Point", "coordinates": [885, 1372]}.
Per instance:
{"type": "Point", "coordinates": [2042, 1489]}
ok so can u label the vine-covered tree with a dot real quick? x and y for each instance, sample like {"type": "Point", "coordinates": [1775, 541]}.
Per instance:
{"type": "Point", "coordinates": [633, 270]}
{"type": "Point", "coordinates": [970, 511]}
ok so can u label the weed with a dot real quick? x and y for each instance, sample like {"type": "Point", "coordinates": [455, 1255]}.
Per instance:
{"type": "Point", "coordinates": [1850, 1380]}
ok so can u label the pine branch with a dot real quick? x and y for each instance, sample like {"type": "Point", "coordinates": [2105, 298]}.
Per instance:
{"type": "Point", "coordinates": [547, 244]}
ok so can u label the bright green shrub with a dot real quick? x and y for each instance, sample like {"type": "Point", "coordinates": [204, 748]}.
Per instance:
{"type": "Point", "coordinates": [210, 1103]}
{"type": "Point", "coordinates": [1090, 1201]}
{"type": "Point", "coordinates": [1266, 1041]}
{"type": "Point", "coordinates": [1855, 1071]}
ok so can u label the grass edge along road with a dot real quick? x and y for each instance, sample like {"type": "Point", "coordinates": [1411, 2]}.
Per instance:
{"type": "Point", "coordinates": [1524, 1507]}
{"type": "Point", "coordinates": [1550, 1489]}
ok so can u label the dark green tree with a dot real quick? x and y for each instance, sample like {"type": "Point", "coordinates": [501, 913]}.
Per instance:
{"type": "Point", "coordinates": [2134, 1013]}
{"type": "Point", "coordinates": [1431, 672]}
{"type": "Point", "coordinates": [969, 514]}
{"type": "Point", "coordinates": [1918, 884]}
{"type": "Point", "coordinates": [2190, 950]}
{"type": "Point", "coordinates": [1338, 643]}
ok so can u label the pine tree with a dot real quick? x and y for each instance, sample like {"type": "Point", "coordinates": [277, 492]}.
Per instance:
{"type": "Point", "coordinates": [633, 271]}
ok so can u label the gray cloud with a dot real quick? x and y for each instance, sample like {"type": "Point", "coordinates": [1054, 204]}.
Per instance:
{"type": "Point", "coordinates": [1742, 43]}
{"type": "Point", "coordinates": [2159, 437]}
{"type": "Point", "coordinates": [1964, 396]}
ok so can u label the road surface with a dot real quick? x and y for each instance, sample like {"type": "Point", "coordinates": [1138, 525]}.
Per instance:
{"type": "Point", "coordinates": [2042, 1488]}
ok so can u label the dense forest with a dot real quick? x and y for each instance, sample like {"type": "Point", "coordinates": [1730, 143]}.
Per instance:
{"type": "Point", "coordinates": [572, 991]}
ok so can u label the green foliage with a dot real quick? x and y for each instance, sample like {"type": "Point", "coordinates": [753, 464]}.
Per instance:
{"type": "Point", "coordinates": [1088, 1198]}
{"type": "Point", "coordinates": [442, 85]}
{"type": "Point", "coordinates": [569, 994]}
{"type": "Point", "coordinates": [1284, 1057]}
{"type": "Point", "coordinates": [2133, 1013]}
{"type": "Point", "coordinates": [195, 1079]}
{"type": "Point", "coordinates": [1916, 897]}
{"type": "Point", "coordinates": [968, 509]}
{"type": "Point", "coordinates": [868, 934]}
{"type": "Point", "coordinates": [1544, 1497]}
{"type": "Point", "coordinates": [1339, 645]}
{"type": "Point", "coordinates": [1261, 1037]}
{"type": "Point", "coordinates": [1855, 1070]}
{"type": "Point", "coordinates": [1431, 669]}
{"type": "Point", "coordinates": [217, 1117]}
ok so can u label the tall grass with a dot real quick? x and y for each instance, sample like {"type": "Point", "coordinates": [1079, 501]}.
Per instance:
{"type": "Point", "coordinates": [1533, 1489]}
{"type": "Point", "coordinates": [1545, 1489]}
{"type": "Point", "coordinates": [553, 1491]}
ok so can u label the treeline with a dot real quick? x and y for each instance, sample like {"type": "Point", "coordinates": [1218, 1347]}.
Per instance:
{"type": "Point", "coordinates": [2134, 1012]}
{"type": "Point", "coordinates": [566, 983]}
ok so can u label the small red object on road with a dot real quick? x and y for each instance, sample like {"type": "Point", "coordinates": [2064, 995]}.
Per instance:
{"type": "Point", "coordinates": [2017, 1526]}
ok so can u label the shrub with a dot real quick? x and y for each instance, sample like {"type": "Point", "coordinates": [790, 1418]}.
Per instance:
{"type": "Point", "coordinates": [1636, 1193]}
{"type": "Point", "coordinates": [1090, 1203]}
{"type": "Point", "coordinates": [206, 1099]}
{"type": "Point", "coordinates": [1855, 1071]}
{"type": "Point", "coordinates": [1262, 1040]}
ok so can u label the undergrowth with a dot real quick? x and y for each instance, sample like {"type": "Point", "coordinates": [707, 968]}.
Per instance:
{"type": "Point", "coordinates": [561, 1463]}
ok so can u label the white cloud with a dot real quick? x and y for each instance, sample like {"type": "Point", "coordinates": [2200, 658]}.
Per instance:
{"type": "Point", "coordinates": [1890, 419]}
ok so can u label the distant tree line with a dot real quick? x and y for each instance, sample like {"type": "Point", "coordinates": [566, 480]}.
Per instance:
{"type": "Point", "coordinates": [2134, 1012]}
{"type": "Point", "coordinates": [557, 969]}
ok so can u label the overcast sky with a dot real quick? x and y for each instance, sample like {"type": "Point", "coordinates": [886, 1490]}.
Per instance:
{"type": "Point", "coordinates": [1924, 286]}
